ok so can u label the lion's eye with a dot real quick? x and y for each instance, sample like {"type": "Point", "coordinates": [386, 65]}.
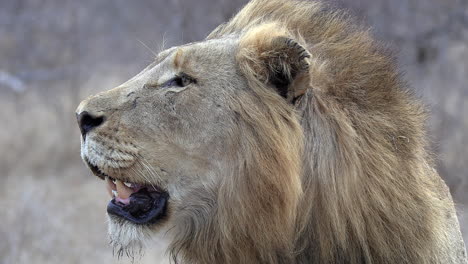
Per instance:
{"type": "Point", "coordinates": [180, 80]}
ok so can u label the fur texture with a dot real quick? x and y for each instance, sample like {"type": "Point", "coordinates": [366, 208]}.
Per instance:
{"type": "Point", "coordinates": [369, 191]}
{"type": "Point", "coordinates": [299, 143]}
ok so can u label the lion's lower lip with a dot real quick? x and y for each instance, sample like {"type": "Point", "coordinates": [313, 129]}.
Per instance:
{"type": "Point", "coordinates": [145, 207]}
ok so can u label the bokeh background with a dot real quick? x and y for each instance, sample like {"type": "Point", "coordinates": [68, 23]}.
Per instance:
{"type": "Point", "coordinates": [54, 53]}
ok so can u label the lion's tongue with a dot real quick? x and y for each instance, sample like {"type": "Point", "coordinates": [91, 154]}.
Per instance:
{"type": "Point", "coordinates": [120, 191]}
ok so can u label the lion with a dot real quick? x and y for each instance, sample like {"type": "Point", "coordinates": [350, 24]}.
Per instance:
{"type": "Point", "coordinates": [286, 136]}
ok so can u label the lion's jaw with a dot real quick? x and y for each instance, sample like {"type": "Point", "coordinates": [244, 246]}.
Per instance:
{"type": "Point", "coordinates": [107, 158]}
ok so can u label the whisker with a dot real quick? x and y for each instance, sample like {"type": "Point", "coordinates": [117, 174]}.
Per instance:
{"type": "Point", "coordinates": [138, 172]}
{"type": "Point", "coordinates": [163, 43]}
{"type": "Point", "coordinates": [150, 171]}
{"type": "Point", "coordinates": [143, 175]}
{"type": "Point", "coordinates": [146, 46]}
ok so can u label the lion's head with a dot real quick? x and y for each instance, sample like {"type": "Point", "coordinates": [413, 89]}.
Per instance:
{"type": "Point", "coordinates": [191, 132]}
{"type": "Point", "coordinates": [284, 136]}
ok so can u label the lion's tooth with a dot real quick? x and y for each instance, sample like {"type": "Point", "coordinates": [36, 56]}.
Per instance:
{"type": "Point", "coordinates": [123, 191]}
{"type": "Point", "coordinates": [110, 186]}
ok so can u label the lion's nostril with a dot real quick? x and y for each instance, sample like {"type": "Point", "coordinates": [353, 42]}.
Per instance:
{"type": "Point", "coordinates": [88, 122]}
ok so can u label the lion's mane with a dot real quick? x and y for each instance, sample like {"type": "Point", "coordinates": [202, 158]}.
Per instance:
{"type": "Point", "coordinates": [347, 181]}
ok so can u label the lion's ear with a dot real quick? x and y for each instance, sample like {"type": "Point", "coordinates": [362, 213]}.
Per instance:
{"type": "Point", "coordinates": [277, 60]}
{"type": "Point", "coordinates": [287, 62]}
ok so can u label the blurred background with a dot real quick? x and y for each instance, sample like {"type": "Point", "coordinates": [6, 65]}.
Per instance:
{"type": "Point", "coordinates": [54, 53]}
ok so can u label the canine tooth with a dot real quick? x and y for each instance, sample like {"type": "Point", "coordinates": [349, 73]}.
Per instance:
{"type": "Point", "coordinates": [114, 193]}
{"type": "Point", "coordinates": [123, 191]}
{"type": "Point", "coordinates": [110, 186]}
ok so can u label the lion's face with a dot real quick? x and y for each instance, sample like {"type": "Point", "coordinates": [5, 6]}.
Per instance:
{"type": "Point", "coordinates": [162, 135]}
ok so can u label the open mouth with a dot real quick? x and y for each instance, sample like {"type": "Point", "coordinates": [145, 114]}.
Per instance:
{"type": "Point", "coordinates": [137, 203]}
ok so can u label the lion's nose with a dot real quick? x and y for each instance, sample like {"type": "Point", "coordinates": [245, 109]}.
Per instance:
{"type": "Point", "coordinates": [87, 122]}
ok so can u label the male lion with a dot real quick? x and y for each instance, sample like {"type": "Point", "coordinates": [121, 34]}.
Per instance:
{"type": "Point", "coordinates": [287, 136]}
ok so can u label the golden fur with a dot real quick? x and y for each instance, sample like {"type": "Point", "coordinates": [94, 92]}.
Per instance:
{"type": "Point", "coordinates": [299, 143]}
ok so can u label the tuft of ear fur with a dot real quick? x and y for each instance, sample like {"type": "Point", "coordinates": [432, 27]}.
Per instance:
{"type": "Point", "coordinates": [270, 54]}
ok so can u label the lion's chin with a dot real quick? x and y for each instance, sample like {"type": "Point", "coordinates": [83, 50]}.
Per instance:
{"type": "Point", "coordinates": [127, 238]}
{"type": "Point", "coordinates": [130, 240]}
